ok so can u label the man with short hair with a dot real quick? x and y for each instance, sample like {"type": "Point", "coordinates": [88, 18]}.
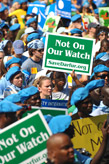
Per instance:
{"type": "Point", "coordinates": [60, 150]}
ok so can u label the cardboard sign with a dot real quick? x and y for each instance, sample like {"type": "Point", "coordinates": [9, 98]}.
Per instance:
{"type": "Point", "coordinates": [63, 8]}
{"type": "Point", "coordinates": [51, 23]}
{"type": "Point", "coordinates": [47, 111]}
{"type": "Point", "coordinates": [66, 53]}
{"type": "Point", "coordinates": [24, 141]}
{"type": "Point", "coordinates": [88, 131]}
{"type": "Point", "coordinates": [104, 15]}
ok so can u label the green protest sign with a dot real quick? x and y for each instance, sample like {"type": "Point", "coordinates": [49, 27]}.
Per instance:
{"type": "Point", "coordinates": [104, 16]}
{"type": "Point", "coordinates": [47, 110]}
{"type": "Point", "coordinates": [66, 53]}
{"type": "Point", "coordinates": [24, 142]}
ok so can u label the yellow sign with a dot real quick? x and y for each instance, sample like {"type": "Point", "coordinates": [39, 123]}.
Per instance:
{"type": "Point", "coordinates": [20, 14]}
{"type": "Point", "coordinates": [88, 133]}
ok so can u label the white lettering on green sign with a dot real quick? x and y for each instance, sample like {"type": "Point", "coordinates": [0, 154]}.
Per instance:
{"type": "Point", "coordinates": [25, 146]}
{"type": "Point", "coordinates": [8, 157]}
{"type": "Point", "coordinates": [77, 55]}
{"type": "Point", "coordinates": [62, 44]}
{"type": "Point", "coordinates": [24, 132]}
{"type": "Point", "coordinates": [8, 142]}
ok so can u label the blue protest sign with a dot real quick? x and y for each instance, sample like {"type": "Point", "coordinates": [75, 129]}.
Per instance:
{"type": "Point", "coordinates": [63, 8]}
{"type": "Point", "coordinates": [51, 9]}
{"type": "Point", "coordinates": [54, 103]}
{"type": "Point", "coordinates": [41, 19]}
{"type": "Point", "coordinates": [34, 7]}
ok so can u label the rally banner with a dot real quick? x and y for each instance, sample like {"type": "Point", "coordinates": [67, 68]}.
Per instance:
{"type": "Point", "coordinates": [88, 131]}
{"type": "Point", "coordinates": [51, 23]}
{"type": "Point", "coordinates": [24, 141]}
{"type": "Point", "coordinates": [104, 16]}
{"type": "Point", "coordinates": [35, 7]}
{"type": "Point", "coordinates": [63, 8]}
{"type": "Point", "coordinates": [47, 111]}
{"type": "Point", "coordinates": [54, 103]}
{"type": "Point", "coordinates": [66, 53]}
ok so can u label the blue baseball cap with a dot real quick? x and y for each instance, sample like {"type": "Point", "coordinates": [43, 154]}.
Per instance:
{"type": "Point", "coordinates": [14, 27]}
{"type": "Point", "coordinates": [75, 17]}
{"type": "Point", "coordinates": [33, 36]}
{"type": "Point", "coordinates": [7, 106]}
{"type": "Point", "coordinates": [12, 71]}
{"type": "Point", "coordinates": [18, 46]}
{"type": "Point", "coordinates": [14, 98]}
{"type": "Point", "coordinates": [30, 21]}
{"type": "Point", "coordinates": [27, 92]}
{"type": "Point", "coordinates": [36, 44]}
{"type": "Point", "coordinates": [104, 56]}
{"type": "Point", "coordinates": [79, 95]}
{"type": "Point", "coordinates": [95, 84]}
{"type": "Point", "coordinates": [59, 123]}
{"type": "Point", "coordinates": [76, 31]}
{"type": "Point", "coordinates": [4, 43]}
{"type": "Point", "coordinates": [12, 61]}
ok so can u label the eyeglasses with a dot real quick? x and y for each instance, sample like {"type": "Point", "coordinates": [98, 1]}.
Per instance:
{"type": "Point", "coordinates": [41, 50]}
{"type": "Point", "coordinates": [103, 76]}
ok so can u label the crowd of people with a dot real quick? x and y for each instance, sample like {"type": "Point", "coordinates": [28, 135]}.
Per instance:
{"type": "Point", "coordinates": [23, 82]}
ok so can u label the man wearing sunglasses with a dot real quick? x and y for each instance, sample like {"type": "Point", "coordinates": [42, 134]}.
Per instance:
{"type": "Point", "coordinates": [101, 72]}
{"type": "Point", "coordinates": [34, 63]}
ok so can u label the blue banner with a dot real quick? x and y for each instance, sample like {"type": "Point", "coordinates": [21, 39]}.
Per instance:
{"type": "Point", "coordinates": [54, 103]}
{"type": "Point", "coordinates": [34, 7]}
{"type": "Point", "coordinates": [63, 8]}
{"type": "Point", "coordinates": [51, 9]}
{"type": "Point", "coordinates": [41, 19]}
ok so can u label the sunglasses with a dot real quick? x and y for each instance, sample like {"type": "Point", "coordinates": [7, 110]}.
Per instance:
{"type": "Point", "coordinates": [103, 76]}
{"type": "Point", "coordinates": [41, 50]}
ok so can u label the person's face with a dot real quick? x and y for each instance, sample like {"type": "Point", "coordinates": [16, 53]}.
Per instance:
{"type": "Point", "coordinates": [105, 95]}
{"type": "Point", "coordinates": [46, 88]}
{"type": "Point", "coordinates": [1, 56]}
{"type": "Point", "coordinates": [86, 106]}
{"type": "Point", "coordinates": [96, 96]}
{"type": "Point", "coordinates": [105, 47]}
{"type": "Point", "coordinates": [34, 100]}
{"type": "Point", "coordinates": [18, 80]}
{"type": "Point", "coordinates": [77, 24]}
{"type": "Point", "coordinates": [24, 6]}
{"type": "Point", "coordinates": [92, 30]}
{"type": "Point", "coordinates": [5, 33]}
{"type": "Point", "coordinates": [34, 25]}
{"type": "Point", "coordinates": [8, 48]}
{"type": "Point", "coordinates": [60, 83]}
{"type": "Point", "coordinates": [63, 151]}
{"type": "Point", "coordinates": [102, 36]}
{"type": "Point", "coordinates": [103, 75]}
{"type": "Point", "coordinates": [38, 54]}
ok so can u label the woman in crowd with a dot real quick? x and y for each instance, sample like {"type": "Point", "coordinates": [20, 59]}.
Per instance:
{"type": "Point", "coordinates": [44, 85]}
{"type": "Point", "coordinates": [15, 76]}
